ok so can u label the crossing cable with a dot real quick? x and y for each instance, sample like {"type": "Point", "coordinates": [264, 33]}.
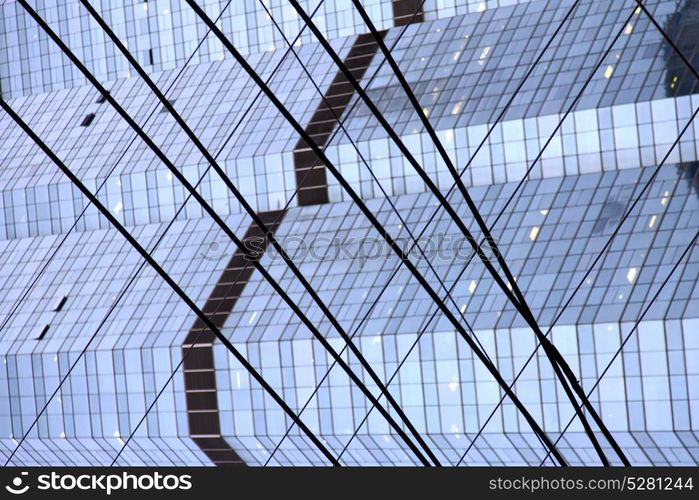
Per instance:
{"type": "Point", "coordinates": [371, 217]}
{"type": "Point", "coordinates": [386, 196]}
{"type": "Point", "coordinates": [434, 214]}
{"type": "Point", "coordinates": [160, 239]}
{"type": "Point", "coordinates": [557, 361]}
{"type": "Point", "coordinates": [180, 177]}
{"type": "Point", "coordinates": [153, 113]}
{"type": "Point", "coordinates": [166, 277]}
{"type": "Point", "coordinates": [288, 203]}
{"type": "Point", "coordinates": [592, 266]}
{"type": "Point", "coordinates": [635, 326]}
{"type": "Point", "coordinates": [265, 229]}
{"type": "Point", "coordinates": [519, 186]}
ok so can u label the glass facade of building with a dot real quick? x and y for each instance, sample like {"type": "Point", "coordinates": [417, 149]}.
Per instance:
{"type": "Point", "coordinates": [572, 165]}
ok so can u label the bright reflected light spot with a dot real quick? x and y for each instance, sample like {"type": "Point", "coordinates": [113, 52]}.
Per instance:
{"type": "Point", "coordinates": [544, 212]}
{"type": "Point", "coordinates": [456, 55]}
{"type": "Point", "coordinates": [272, 48]}
{"type": "Point", "coordinates": [457, 108]}
{"type": "Point", "coordinates": [481, 7]}
{"type": "Point", "coordinates": [118, 207]}
{"type": "Point", "coordinates": [463, 309]}
{"type": "Point", "coordinates": [169, 176]}
{"type": "Point", "coordinates": [663, 201]}
{"type": "Point", "coordinates": [629, 29]}
{"type": "Point", "coordinates": [426, 112]}
{"type": "Point", "coordinates": [449, 136]}
{"type": "Point", "coordinates": [63, 434]}
{"type": "Point", "coordinates": [608, 72]}
{"type": "Point", "coordinates": [376, 339]}
{"type": "Point", "coordinates": [483, 55]}
{"type": "Point", "coordinates": [453, 386]}
{"type": "Point", "coordinates": [652, 221]}
{"type": "Point", "coordinates": [534, 233]}
{"type": "Point", "coordinates": [472, 286]}
{"type": "Point", "coordinates": [631, 275]}
{"type": "Point", "coordinates": [252, 318]}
